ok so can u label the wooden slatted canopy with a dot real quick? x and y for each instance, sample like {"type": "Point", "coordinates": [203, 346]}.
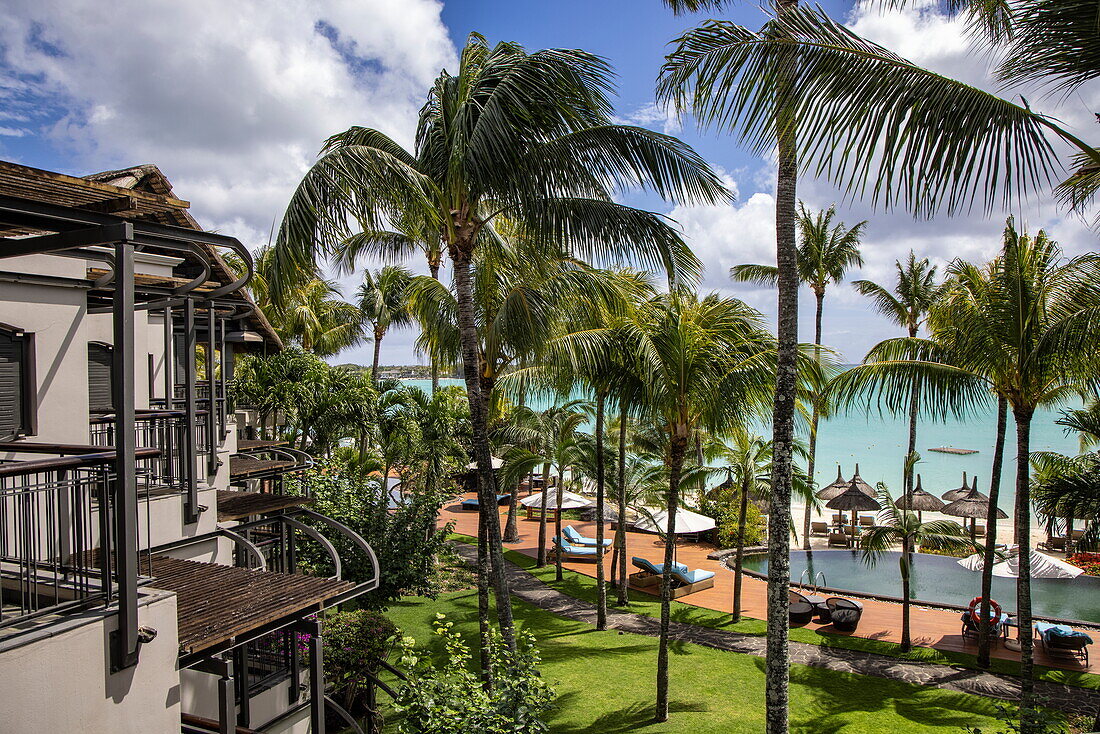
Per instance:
{"type": "Point", "coordinates": [239, 505]}
{"type": "Point", "coordinates": [243, 467]}
{"type": "Point", "coordinates": [254, 444]}
{"type": "Point", "coordinates": [216, 604]}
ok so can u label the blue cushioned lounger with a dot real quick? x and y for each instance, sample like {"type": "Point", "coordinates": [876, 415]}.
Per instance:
{"type": "Point", "coordinates": [576, 538]}
{"type": "Point", "coordinates": [575, 551]}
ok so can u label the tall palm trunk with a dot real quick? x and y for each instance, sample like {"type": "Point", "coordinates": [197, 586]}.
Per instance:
{"type": "Point", "coordinates": [542, 516]}
{"type": "Point", "coordinates": [620, 527]}
{"type": "Point", "coordinates": [483, 604]}
{"type": "Point", "coordinates": [378, 334]}
{"type": "Point", "coordinates": [677, 449]}
{"type": "Point", "coordinates": [984, 631]}
{"type": "Point", "coordinates": [601, 588]}
{"type": "Point", "coordinates": [914, 410]}
{"type": "Point", "coordinates": [906, 642]}
{"type": "Point", "coordinates": [739, 558]}
{"type": "Point", "coordinates": [811, 460]}
{"type": "Point", "coordinates": [557, 521]}
{"type": "Point", "coordinates": [1023, 582]}
{"type": "Point", "coordinates": [433, 267]}
{"type": "Point", "coordinates": [511, 529]}
{"type": "Point", "coordinates": [777, 659]}
{"type": "Point", "coordinates": [487, 486]}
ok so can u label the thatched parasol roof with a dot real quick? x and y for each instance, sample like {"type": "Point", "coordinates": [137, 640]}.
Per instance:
{"type": "Point", "coordinates": [973, 504]}
{"type": "Point", "coordinates": [861, 485]}
{"type": "Point", "coordinates": [853, 499]}
{"type": "Point", "coordinates": [834, 489]}
{"type": "Point", "coordinates": [919, 500]}
{"type": "Point", "coordinates": [954, 494]}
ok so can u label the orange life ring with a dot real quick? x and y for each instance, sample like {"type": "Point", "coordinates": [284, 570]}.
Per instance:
{"type": "Point", "coordinates": [975, 613]}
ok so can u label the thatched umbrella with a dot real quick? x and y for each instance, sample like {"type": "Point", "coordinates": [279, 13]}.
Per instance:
{"type": "Point", "coordinates": [972, 505]}
{"type": "Point", "coordinates": [919, 500]}
{"type": "Point", "coordinates": [855, 500]}
{"type": "Point", "coordinates": [954, 494]}
{"type": "Point", "coordinates": [861, 485]}
{"type": "Point", "coordinates": [834, 489]}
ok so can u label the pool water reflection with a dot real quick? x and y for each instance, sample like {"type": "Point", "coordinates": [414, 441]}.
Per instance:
{"type": "Point", "coordinates": [940, 579]}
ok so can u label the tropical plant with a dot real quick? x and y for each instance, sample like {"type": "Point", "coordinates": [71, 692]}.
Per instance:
{"type": "Point", "coordinates": [356, 643]}
{"type": "Point", "coordinates": [524, 135]}
{"type": "Point", "coordinates": [384, 303]}
{"type": "Point", "coordinates": [825, 252]}
{"type": "Point", "coordinates": [897, 527]}
{"type": "Point", "coordinates": [914, 294]}
{"type": "Point", "coordinates": [314, 316]}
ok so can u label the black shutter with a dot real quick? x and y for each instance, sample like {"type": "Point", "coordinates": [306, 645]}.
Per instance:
{"type": "Point", "coordinates": [12, 357]}
{"type": "Point", "coordinates": [179, 360]}
{"type": "Point", "coordinates": [100, 368]}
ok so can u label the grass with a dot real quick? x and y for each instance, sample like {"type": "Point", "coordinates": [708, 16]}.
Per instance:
{"type": "Point", "coordinates": [583, 587]}
{"type": "Point", "coordinates": [605, 682]}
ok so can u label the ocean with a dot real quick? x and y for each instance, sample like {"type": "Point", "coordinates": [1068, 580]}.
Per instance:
{"type": "Point", "coordinates": [877, 443]}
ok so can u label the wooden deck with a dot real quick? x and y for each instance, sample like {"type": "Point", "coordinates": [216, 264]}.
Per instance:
{"type": "Point", "coordinates": [216, 603]}
{"type": "Point", "coordinates": [244, 467]}
{"type": "Point", "coordinates": [937, 628]}
{"type": "Point", "coordinates": [239, 505]}
{"type": "Point", "coordinates": [245, 444]}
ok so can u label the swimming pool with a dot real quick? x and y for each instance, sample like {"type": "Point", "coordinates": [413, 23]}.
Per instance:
{"type": "Point", "coordinates": [940, 579]}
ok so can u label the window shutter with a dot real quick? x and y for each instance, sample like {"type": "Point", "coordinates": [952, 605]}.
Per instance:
{"type": "Point", "coordinates": [100, 368]}
{"type": "Point", "coordinates": [12, 350]}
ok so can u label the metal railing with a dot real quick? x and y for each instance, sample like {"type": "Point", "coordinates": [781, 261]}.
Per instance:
{"type": "Point", "coordinates": [57, 535]}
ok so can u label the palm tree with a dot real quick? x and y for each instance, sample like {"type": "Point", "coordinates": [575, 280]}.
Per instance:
{"type": "Point", "coordinates": [384, 303]}
{"type": "Point", "coordinates": [896, 527]}
{"type": "Point", "coordinates": [907, 305]}
{"type": "Point", "coordinates": [523, 135]}
{"type": "Point", "coordinates": [1024, 329]}
{"type": "Point", "coordinates": [826, 251]}
{"type": "Point", "coordinates": [314, 315]}
{"type": "Point", "coordinates": [709, 362]}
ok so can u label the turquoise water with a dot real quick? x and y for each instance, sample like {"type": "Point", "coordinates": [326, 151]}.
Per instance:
{"type": "Point", "coordinates": [878, 443]}
{"type": "Point", "coordinates": [940, 579]}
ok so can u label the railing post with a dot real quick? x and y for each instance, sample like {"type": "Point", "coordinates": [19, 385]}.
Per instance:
{"type": "Point", "coordinates": [124, 651]}
{"type": "Point", "coordinates": [191, 505]}
{"type": "Point", "coordinates": [316, 681]}
{"type": "Point", "coordinates": [169, 358]}
{"type": "Point", "coordinates": [213, 419]}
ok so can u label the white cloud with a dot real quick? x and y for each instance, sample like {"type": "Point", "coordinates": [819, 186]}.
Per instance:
{"type": "Point", "coordinates": [653, 115]}
{"type": "Point", "coordinates": [231, 99]}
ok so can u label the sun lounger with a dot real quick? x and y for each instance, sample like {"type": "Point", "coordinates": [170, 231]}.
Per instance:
{"type": "Point", "coordinates": [840, 540]}
{"type": "Point", "coordinates": [576, 538]}
{"type": "Point", "coordinates": [842, 613]}
{"type": "Point", "coordinates": [1055, 543]}
{"type": "Point", "coordinates": [473, 505]}
{"type": "Point", "coordinates": [684, 580]}
{"type": "Point", "coordinates": [819, 528]}
{"type": "Point", "coordinates": [570, 552]}
{"type": "Point", "coordinates": [1059, 637]}
{"type": "Point", "coordinates": [866, 521]}
{"type": "Point", "coordinates": [979, 531]}
{"type": "Point", "coordinates": [839, 518]}
{"type": "Point", "coordinates": [970, 625]}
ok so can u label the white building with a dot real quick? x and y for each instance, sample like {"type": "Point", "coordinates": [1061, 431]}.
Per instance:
{"type": "Point", "coordinates": [148, 559]}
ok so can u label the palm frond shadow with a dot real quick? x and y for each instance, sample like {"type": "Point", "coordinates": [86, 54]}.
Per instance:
{"type": "Point", "coordinates": [629, 718]}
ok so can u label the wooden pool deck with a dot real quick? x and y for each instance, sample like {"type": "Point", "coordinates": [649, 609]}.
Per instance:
{"type": "Point", "coordinates": [936, 628]}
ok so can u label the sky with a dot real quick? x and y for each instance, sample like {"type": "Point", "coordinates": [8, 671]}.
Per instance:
{"type": "Point", "coordinates": [232, 101]}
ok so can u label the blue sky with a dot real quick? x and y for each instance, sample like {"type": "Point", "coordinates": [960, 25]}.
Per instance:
{"type": "Point", "coordinates": [232, 101]}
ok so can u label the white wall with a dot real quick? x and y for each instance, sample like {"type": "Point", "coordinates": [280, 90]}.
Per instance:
{"type": "Point", "coordinates": [64, 684]}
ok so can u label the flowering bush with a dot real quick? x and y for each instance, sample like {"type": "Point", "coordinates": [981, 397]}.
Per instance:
{"type": "Point", "coordinates": [355, 643]}
{"type": "Point", "coordinates": [449, 698]}
{"type": "Point", "coordinates": [1089, 562]}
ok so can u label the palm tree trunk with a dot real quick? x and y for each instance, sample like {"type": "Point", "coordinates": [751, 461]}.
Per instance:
{"type": "Point", "coordinates": [777, 659]}
{"type": "Point", "coordinates": [914, 410]}
{"type": "Point", "coordinates": [906, 643]}
{"type": "Point", "coordinates": [601, 588]}
{"type": "Point", "coordinates": [557, 521]}
{"type": "Point", "coordinates": [542, 516]}
{"type": "Point", "coordinates": [677, 449]}
{"type": "Point", "coordinates": [1023, 582]}
{"type": "Point", "coordinates": [433, 267]}
{"type": "Point", "coordinates": [483, 604]}
{"type": "Point", "coordinates": [487, 486]}
{"type": "Point", "coordinates": [511, 529]}
{"type": "Point", "coordinates": [377, 349]}
{"type": "Point", "coordinates": [620, 527]}
{"type": "Point", "coordinates": [812, 457]}
{"type": "Point", "coordinates": [984, 641]}
{"type": "Point", "coordinates": [739, 558]}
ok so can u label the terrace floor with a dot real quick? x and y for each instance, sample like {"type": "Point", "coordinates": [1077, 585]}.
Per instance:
{"type": "Point", "coordinates": [935, 628]}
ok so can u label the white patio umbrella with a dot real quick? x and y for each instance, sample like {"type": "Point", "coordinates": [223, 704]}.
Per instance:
{"type": "Point", "coordinates": [687, 522]}
{"type": "Point", "coordinates": [496, 463]}
{"type": "Point", "coordinates": [569, 500]}
{"type": "Point", "coordinates": [1042, 565]}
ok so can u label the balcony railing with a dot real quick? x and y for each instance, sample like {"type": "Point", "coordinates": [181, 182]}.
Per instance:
{"type": "Point", "coordinates": [166, 431]}
{"type": "Point", "coordinates": [57, 535]}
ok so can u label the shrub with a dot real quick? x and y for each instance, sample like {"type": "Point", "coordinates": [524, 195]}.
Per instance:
{"type": "Point", "coordinates": [1088, 562]}
{"type": "Point", "coordinates": [724, 505]}
{"type": "Point", "coordinates": [449, 698]}
{"type": "Point", "coordinates": [355, 643]}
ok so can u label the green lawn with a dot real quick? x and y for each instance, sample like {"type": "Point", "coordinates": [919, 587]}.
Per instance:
{"type": "Point", "coordinates": [583, 587]}
{"type": "Point", "coordinates": [605, 682]}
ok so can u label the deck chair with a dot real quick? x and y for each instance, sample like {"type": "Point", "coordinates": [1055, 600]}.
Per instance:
{"type": "Point", "coordinates": [570, 552]}
{"type": "Point", "coordinates": [1059, 637]}
{"type": "Point", "coordinates": [866, 521]}
{"type": "Point", "coordinates": [819, 528]}
{"type": "Point", "coordinates": [1055, 543]}
{"type": "Point", "coordinates": [649, 573]}
{"type": "Point", "coordinates": [686, 581]}
{"type": "Point", "coordinates": [838, 518]}
{"type": "Point", "coordinates": [576, 538]}
{"type": "Point", "coordinates": [843, 614]}
{"type": "Point", "coordinates": [840, 540]}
